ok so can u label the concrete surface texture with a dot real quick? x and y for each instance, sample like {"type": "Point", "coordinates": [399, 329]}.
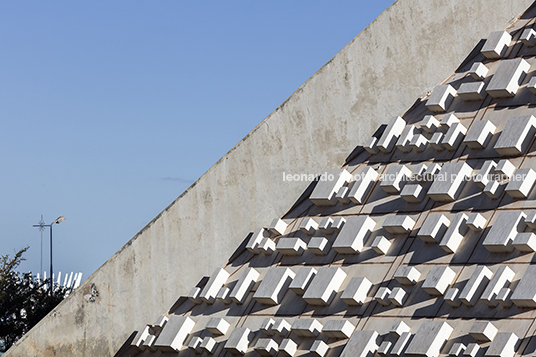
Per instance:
{"type": "Point", "coordinates": [399, 57]}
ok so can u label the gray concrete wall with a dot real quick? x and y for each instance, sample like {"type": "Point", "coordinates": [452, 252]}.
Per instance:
{"type": "Point", "coordinates": [401, 55]}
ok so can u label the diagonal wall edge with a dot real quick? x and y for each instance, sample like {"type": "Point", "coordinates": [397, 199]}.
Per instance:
{"type": "Point", "coordinates": [398, 57]}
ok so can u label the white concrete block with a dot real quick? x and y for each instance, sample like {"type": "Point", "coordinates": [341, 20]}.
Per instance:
{"type": "Point", "coordinates": [274, 286]}
{"type": "Point", "coordinates": [288, 348]}
{"type": "Point", "coordinates": [214, 284]}
{"type": "Point", "coordinates": [413, 193]}
{"type": "Point", "coordinates": [195, 345]}
{"type": "Point", "coordinates": [521, 183]}
{"type": "Point", "coordinates": [255, 240]}
{"type": "Point", "coordinates": [361, 188]}
{"type": "Point", "coordinates": [381, 245]}
{"type": "Point", "coordinates": [398, 296]}
{"type": "Point", "coordinates": [393, 180]}
{"type": "Point", "coordinates": [436, 140]}
{"type": "Point", "coordinates": [492, 190]}
{"type": "Point", "coordinates": [496, 45]}
{"type": "Point", "coordinates": [407, 275]}
{"type": "Point", "coordinates": [382, 296]}
{"type": "Point", "coordinates": [505, 168]}
{"type": "Point", "coordinates": [342, 195]}
{"type": "Point", "coordinates": [475, 286]}
{"type": "Point", "coordinates": [326, 225]}
{"type": "Point", "coordinates": [516, 136]}
{"type": "Point", "coordinates": [291, 246]}
{"type": "Point", "coordinates": [454, 136]}
{"type": "Point", "coordinates": [434, 227]}
{"type": "Point", "coordinates": [448, 121]}
{"type": "Point", "coordinates": [429, 124]}
{"type": "Point", "coordinates": [502, 277]}
{"type": "Point", "coordinates": [525, 242]}
{"type": "Point", "coordinates": [403, 141]}
{"type": "Point", "coordinates": [266, 246]}
{"type": "Point", "coordinates": [438, 280]}
{"type": "Point", "coordinates": [324, 286]}
{"type": "Point", "coordinates": [476, 222]}
{"type": "Point", "coordinates": [318, 245]}
{"type": "Point", "coordinates": [306, 327]}
{"type": "Point", "coordinates": [505, 82]}
{"type": "Point", "coordinates": [208, 345]}
{"type": "Point", "coordinates": [371, 145]}
{"type": "Point", "coordinates": [394, 129]}
{"type": "Point", "coordinates": [471, 91]}
{"type": "Point", "coordinates": [452, 297]}
{"type": "Point", "coordinates": [278, 227]}
{"type": "Point", "coordinates": [399, 328]}
{"type": "Point", "coordinates": [194, 295]}
{"type": "Point", "coordinates": [400, 345]}
{"type": "Point", "coordinates": [281, 327]}
{"type": "Point", "coordinates": [429, 339]}
{"type": "Point", "coordinates": [503, 345]}
{"type": "Point", "coordinates": [266, 347]}
{"type": "Point", "coordinates": [483, 331]}
{"type": "Point", "coordinates": [525, 293]}
{"type": "Point", "coordinates": [457, 349]}
{"type": "Point", "coordinates": [238, 342]}
{"type": "Point", "coordinates": [485, 174]}
{"type": "Point", "coordinates": [479, 134]}
{"type": "Point", "coordinates": [338, 223]}
{"type": "Point", "coordinates": [418, 143]}
{"type": "Point", "coordinates": [361, 344]}
{"type": "Point", "coordinates": [223, 295]}
{"type": "Point", "coordinates": [303, 278]}
{"type": "Point", "coordinates": [441, 98]}
{"type": "Point", "coordinates": [504, 297]}
{"type": "Point", "coordinates": [308, 226]}
{"type": "Point", "coordinates": [530, 220]}
{"type": "Point", "coordinates": [528, 37]}
{"type": "Point", "coordinates": [173, 335]}
{"type": "Point", "coordinates": [267, 326]}
{"type": "Point", "coordinates": [338, 329]}
{"type": "Point", "coordinates": [244, 285]}
{"type": "Point", "coordinates": [532, 85]}
{"type": "Point", "coordinates": [356, 291]}
{"type": "Point", "coordinates": [478, 71]}
{"type": "Point", "coordinates": [400, 224]}
{"type": "Point", "coordinates": [454, 176]}
{"type": "Point", "coordinates": [354, 234]}
{"type": "Point", "coordinates": [217, 326]}
{"type": "Point", "coordinates": [319, 348]}
{"type": "Point", "coordinates": [141, 337]}
{"type": "Point", "coordinates": [455, 232]}
{"type": "Point", "coordinates": [503, 231]}
{"type": "Point", "coordinates": [385, 347]}
{"type": "Point", "coordinates": [471, 350]}
{"type": "Point", "coordinates": [328, 185]}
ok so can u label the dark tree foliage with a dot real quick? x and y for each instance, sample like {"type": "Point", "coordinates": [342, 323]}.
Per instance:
{"type": "Point", "coordinates": [24, 301]}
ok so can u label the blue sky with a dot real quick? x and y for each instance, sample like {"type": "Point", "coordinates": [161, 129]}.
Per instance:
{"type": "Point", "coordinates": [110, 110]}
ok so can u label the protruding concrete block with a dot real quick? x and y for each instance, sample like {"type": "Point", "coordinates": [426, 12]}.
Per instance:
{"type": "Point", "coordinates": [173, 335]}
{"type": "Point", "coordinates": [318, 245]}
{"type": "Point", "coordinates": [401, 224]}
{"type": "Point", "coordinates": [303, 278]}
{"type": "Point", "coordinates": [516, 136]}
{"type": "Point", "coordinates": [505, 82]}
{"type": "Point", "coordinates": [476, 222]}
{"type": "Point", "coordinates": [338, 223]}
{"type": "Point", "coordinates": [288, 348]}
{"type": "Point", "coordinates": [485, 174]}
{"type": "Point", "coordinates": [405, 138]}
{"type": "Point", "coordinates": [429, 339]}
{"type": "Point", "coordinates": [418, 143]}
{"type": "Point", "coordinates": [194, 295]}
{"type": "Point", "coordinates": [324, 286]}
{"type": "Point", "coordinates": [354, 234]}
{"type": "Point", "coordinates": [407, 275]}
{"type": "Point", "coordinates": [413, 193]}
{"type": "Point", "coordinates": [448, 121]}
{"type": "Point", "coordinates": [492, 190]}
{"type": "Point", "coordinates": [223, 295]}
{"type": "Point", "coordinates": [143, 338]}
{"type": "Point", "coordinates": [361, 344]}
{"type": "Point", "coordinates": [306, 327]}
{"type": "Point", "coordinates": [503, 232]}
{"type": "Point", "coordinates": [326, 225]}
{"type": "Point", "coordinates": [214, 284]}
{"type": "Point", "coordinates": [471, 350]}
{"type": "Point", "coordinates": [434, 227]}
{"type": "Point", "coordinates": [454, 235]}
{"type": "Point", "coordinates": [457, 350]}
{"type": "Point", "coordinates": [281, 327]}
{"type": "Point", "coordinates": [454, 136]}
{"type": "Point", "coordinates": [521, 183]}
{"type": "Point", "coordinates": [238, 342]}
{"type": "Point", "coordinates": [471, 91]}
{"type": "Point", "coordinates": [532, 85]}
{"type": "Point", "coordinates": [441, 98]}
{"type": "Point", "coordinates": [274, 285]}
{"type": "Point", "coordinates": [195, 345]}
{"type": "Point", "coordinates": [244, 285]}
{"type": "Point", "coordinates": [478, 71]}
{"type": "Point", "coordinates": [266, 246]}
{"type": "Point", "coordinates": [338, 328]}
{"type": "Point", "coordinates": [455, 175]}
{"type": "Point", "coordinates": [291, 246]}
{"type": "Point", "coordinates": [496, 44]}
{"type": "Point", "coordinates": [419, 172]}
{"type": "Point", "coordinates": [436, 140]}
{"type": "Point", "coordinates": [328, 185]}
{"type": "Point", "coordinates": [505, 168]}
{"type": "Point", "coordinates": [266, 347]}
{"type": "Point", "coordinates": [398, 296]}
{"type": "Point", "coordinates": [391, 133]}
{"type": "Point", "coordinates": [382, 296]}
{"type": "Point", "coordinates": [525, 293]}
{"type": "Point", "coordinates": [525, 242]}
{"type": "Point", "coordinates": [381, 245]}
{"type": "Point", "coordinates": [438, 280]}
{"type": "Point", "coordinates": [452, 297]}
{"type": "Point", "coordinates": [278, 227]}
{"type": "Point", "coordinates": [476, 285]}
{"type": "Point", "coordinates": [217, 326]}
{"type": "Point", "coordinates": [400, 345]}
{"type": "Point", "coordinates": [208, 345]}
{"type": "Point", "coordinates": [483, 331]}
{"type": "Point", "coordinates": [528, 37]}
{"type": "Point", "coordinates": [309, 226]}
{"type": "Point", "coordinates": [502, 277]}
{"type": "Point", "coordinates": [371, 145]}
{"type": "Point", "coordinates": [504, 297]}
{"type": "Point", "coordinates": [255, 240]}
{"type": "Point", "coordinates": [267, 326]}
{"type": "Point", "coordinates": [356, 292]}
{"type": "Point", "coordinates": [319, 348]}
{"type": "Point", "coordinates": [399, 328]}
{"type": "Point", "coordinates": [385, 347]}
{"type": "Point", "coordinates": [342, 195]}
{"type": "Point", "coordinates": [479, 134]}
{"type": "Point", "coordinates": [503, 345]}
{"type": "Point", "coordinates": [429, 124]}
{"type": "Point", "coordinates": [530, 220]}
{"type": "Point", "coordinates": [393, 179]}
{"type": "Point", "coordinates": [362, 187]}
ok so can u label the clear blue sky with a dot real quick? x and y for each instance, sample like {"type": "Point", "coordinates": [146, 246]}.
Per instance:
{"type": "Point", "coordinates": [111, 109]}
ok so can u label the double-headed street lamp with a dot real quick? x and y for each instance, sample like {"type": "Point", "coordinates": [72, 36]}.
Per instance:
{"type": "Point", "coordinates": [41, 227]}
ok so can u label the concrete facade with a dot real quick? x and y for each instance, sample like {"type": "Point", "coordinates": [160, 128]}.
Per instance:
{"type": "Point", "coordinates": [403, 54]}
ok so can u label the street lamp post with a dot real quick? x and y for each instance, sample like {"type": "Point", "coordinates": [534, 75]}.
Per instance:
{"type": "Point", "coordinates": [41, 226]}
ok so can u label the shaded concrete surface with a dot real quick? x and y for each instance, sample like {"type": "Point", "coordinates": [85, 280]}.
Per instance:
{"type": "Point", "coordinates": [400, 56]}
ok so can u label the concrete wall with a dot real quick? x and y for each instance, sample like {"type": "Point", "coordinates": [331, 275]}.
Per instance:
{"type": "Point", "coordinates": [400, 56]}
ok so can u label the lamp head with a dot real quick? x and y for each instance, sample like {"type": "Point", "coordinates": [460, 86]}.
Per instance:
{"type": "Point", "coordinates": [59, 219]}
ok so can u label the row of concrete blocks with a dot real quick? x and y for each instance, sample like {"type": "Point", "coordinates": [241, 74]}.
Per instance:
{"type": "Point", "coordinates": [169, 334]}
{"type": "Point", "coordinates": [449, 133]}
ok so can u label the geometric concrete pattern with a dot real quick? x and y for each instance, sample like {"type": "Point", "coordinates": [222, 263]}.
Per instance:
{"type": "Point", "coordinates": [422, 245]}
